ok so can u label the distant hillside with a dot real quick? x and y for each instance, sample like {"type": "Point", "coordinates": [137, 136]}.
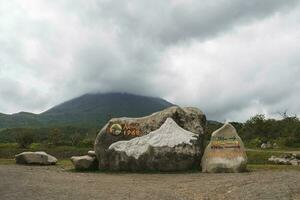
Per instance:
{"type": "Point", "coordinates": [90, 110]}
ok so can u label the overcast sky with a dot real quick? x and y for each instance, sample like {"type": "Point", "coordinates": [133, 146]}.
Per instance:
{"type": "Point", "coordinates": [230, 58]}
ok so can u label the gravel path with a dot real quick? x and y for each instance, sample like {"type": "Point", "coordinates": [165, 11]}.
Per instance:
{"type": "Point", "coordinates": [36, 182]}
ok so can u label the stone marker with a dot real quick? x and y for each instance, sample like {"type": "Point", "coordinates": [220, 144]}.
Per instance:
{"type": "Point", "coordinates": [120, 129]}
{"type": "Point", "coordinates": [84, 162]}
{"type": "Point", "coordinates": [225, 152]}
{"type": "Point", "coordinates": [38, 157]}
{"type": "Point", "coordinates": [170, 148]}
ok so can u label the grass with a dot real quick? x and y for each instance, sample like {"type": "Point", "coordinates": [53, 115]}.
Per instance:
{"type": "Point", "coordinates": [257, 167]}
{"type": "Point", "coordinates": [9, 150]}
{"type": "Point", "coordinates": [63, 163]}
{"type": "Point", "coordinates": [260, 157]}
{"type": "Point", "coordinates": [4, 161]}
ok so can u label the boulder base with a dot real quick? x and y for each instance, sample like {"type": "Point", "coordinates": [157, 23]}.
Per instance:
{"type": "Point", "coordinates": [123, 129]}
{"type": "Point", "coordinates": [40, 158]}
{"type": "Point", "coordinates": [225, 152]}
{"type": "Point", "coordinates": [170, 148]}
{"type": "Point", "coordinates": [84, 162]}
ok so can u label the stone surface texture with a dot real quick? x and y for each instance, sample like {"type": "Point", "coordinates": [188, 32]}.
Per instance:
{"type": "Point", "coordinates": [225, 152]}
{"type": "Point", "coordinates": [38, 157]}
{"type": "Point", "coordinates": [122, 129]}
{"type": "Point", "coordinates": [169, 148]}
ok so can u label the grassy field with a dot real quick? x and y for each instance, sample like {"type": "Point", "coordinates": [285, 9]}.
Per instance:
{"type": "Point", "coordinates": [257, 167]}
{"type": "Point", "coordinates": [260, 157]}
{"type": "Point", "coordinates": [9, 150]}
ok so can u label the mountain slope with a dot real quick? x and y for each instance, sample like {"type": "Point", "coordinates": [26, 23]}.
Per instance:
{"type": "Point", "coordinates": [90, 110]}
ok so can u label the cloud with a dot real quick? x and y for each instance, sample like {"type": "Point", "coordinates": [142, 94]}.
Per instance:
{"type": "Point", "coordinates": [254, 69]}
{"type": "Point", "coordinates": [230, 58]}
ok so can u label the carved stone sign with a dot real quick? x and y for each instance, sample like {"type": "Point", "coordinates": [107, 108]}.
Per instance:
{"type": "Point", "coordinates": [131, 129]}
{"type": "Point", "coordinates": [223, 142]}
{"type": "Point", "coordinates": [225, 152]}
{"type": "Point", "coordinates": [115, 129]}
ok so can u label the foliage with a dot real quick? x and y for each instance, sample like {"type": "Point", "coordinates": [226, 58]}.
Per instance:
{"type": "Point", "coordinates": [55, 137]}
{"type": "Point", "coordinates": [24, 139]}
{"type": "Point", "coordinates": [75, 139]}
{"type": "Point", "coordinates": [87, 142]}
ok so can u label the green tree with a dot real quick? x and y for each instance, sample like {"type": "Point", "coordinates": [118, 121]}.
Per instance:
{"type": "Point", "coordinates": [24, 139]}
{"type": "Point", "coordinates": [55, 137]}
{"type": "Point", "coordinates": [75, 139]}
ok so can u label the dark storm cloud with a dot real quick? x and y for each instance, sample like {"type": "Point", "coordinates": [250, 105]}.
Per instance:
{"type": "Point", "coordinates": [172, 21]}
{"type": "Point", "coordinates": [186, 51]}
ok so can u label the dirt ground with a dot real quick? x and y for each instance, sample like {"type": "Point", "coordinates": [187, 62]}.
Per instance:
{"type": "Point", "coordinates": [37, 182]}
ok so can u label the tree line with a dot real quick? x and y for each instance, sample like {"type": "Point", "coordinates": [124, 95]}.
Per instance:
{"type": "Point", "coordinates": [70, 136]}
{"type": "Point", "coordinates": [257, 130]}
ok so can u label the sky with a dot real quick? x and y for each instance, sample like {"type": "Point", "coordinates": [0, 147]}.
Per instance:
{"type": "Point", "coordinates": [230, 58]}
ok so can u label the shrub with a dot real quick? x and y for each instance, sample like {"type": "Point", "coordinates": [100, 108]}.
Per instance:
{"type": "Point", "coordinates": [87, 142]}
{"type": "Point", "coordinates": [256, 142]}
{"type": "Point", "coordinates": [55, 137]}
{"type": "Point", "coordinates": [24, 140]}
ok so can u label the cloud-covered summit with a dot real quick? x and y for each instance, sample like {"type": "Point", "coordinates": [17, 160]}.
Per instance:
{"type": "Point", "coordinates": [232, 58]}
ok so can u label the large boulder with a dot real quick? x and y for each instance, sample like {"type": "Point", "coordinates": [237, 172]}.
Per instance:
{"type": "Point", "coordinates": [119, 129]}
{"type": "Point", "coordinates": [39, 157]}
{"type": "Point", "coordinates": [169, 148]}
{"type": "Point", "coordinates": [84, 162]}
{"type": "Point", "coordinates": [225, 152]}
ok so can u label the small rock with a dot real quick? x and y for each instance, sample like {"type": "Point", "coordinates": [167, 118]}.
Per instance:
{"type": "Point", "coordinates": [84, 162]}
{"type": "Point", "coordinates": [296, 155]}
{"type": "Point", "coordinates": [284, 161]}
{"type": "Point", "coordinates": [92, 153]}
{"type": "Point", "coordinates": [38, 157]}
{"type": "Point", "coordinates": [272, 159]}
{"type": "Point", "coordinates": [288, 156]}
{"type": "Point", "coordinates": [287, 159]}
{"type": "Point", "coordinates": [263, 146]}
{"type": "Point", "coordinates": [295, 162]}
{"type": "Point", "coordinates": [267, 145]}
